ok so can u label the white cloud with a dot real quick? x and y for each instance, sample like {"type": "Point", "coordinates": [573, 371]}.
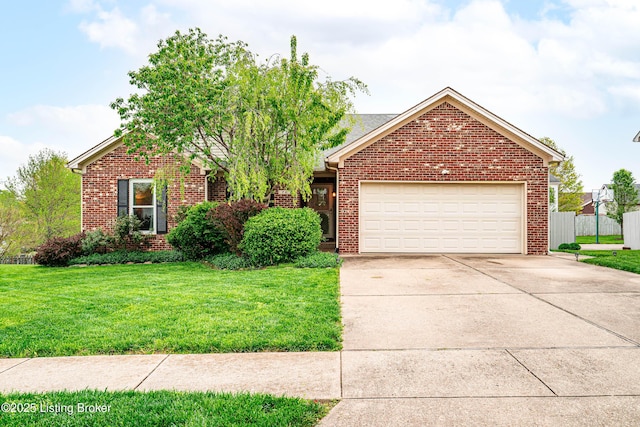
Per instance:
{"type": "Point", "coordinates": [67, 121]}
{"type": "Point", "coordinates": [81, 6]}
{"type": "Point", "coordinates": [15, 154]}
{"type": "Point", "coordinates": [71, 129]}
{"type": "Point", "coordinates": [112, 28]}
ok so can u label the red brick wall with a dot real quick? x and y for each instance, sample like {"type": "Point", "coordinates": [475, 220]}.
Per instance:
{"type": "Point", "coordinates": [445, 138]}
{"type": "Point", "coordinates": [217, 188]}
{"type": "Point", "coordinates": [285, 199]}
{"type": "Point", "coordinates": [100, 190]}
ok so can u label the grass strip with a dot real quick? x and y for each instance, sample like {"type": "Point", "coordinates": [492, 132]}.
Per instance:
{"type": "Point", "coordinates": [156, 408]}
{"type": "Point", "coordinates": [622, 260]}
{"type": "Point", "coordinates": [605, 240]}
{"type": "Point", "coordinates": [625, 260]}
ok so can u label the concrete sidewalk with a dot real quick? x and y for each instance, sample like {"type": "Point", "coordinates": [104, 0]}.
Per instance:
{"type": "Point", "coordinates": [309, 375]}
{"type": "Point", "coordinates": [601, 247]}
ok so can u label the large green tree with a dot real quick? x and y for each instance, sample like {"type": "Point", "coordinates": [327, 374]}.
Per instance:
{"type": "Point", "coordinates": [49, 196]}
{"type": "Point", "coordinates": [570, 189]}
{"type": "Point", "coordinates": [11, 224]}
{"type": "Point", "coordinates": [625, 196]}
{"type": "Point", "coordinates": [262, 123]}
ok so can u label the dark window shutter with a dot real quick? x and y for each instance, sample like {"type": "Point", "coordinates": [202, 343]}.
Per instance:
{"type": "Point", "coordinates": [123, 197]}
{"type": "Point", "coordinates": [161, 211]}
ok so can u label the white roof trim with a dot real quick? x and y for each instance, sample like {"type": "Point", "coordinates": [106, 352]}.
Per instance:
{"type": "Point", "coordinates": [80, 163]}
{"type": "Point", "coordinates": [637, 137]}
{"type": "Point", "coordinates": [339, 156]}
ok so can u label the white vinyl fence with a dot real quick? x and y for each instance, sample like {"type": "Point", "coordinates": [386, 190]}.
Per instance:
{"type": "Point", "coordinates": [562, 228]}
{"type": "Point", "coordinates": [586, 226]}
{"type": "Point", "coordinates": [631, 221]}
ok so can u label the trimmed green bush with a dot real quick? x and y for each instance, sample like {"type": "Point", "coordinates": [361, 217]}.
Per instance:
{"type": "Point", "coordinates": [127, 234]}
{"type": "Point", "coordinates": [97, 242]}
{"type": "Point", "coordinates": [123, 257]}
{"type": "Point", "coordinates": [569, 246]}
{"type": "Point", "coordinates": [58, 251]}
{"type": "Point", "coordinates": [197, 236]}
{"type": "Point", "coordinates": [278, 235]}
{"type": "Point", "coordinates": [230, 219]}
{"type": "Point", "coordinates": [229, 261]}
{"type": "Point", "coordinates": [319, 260]}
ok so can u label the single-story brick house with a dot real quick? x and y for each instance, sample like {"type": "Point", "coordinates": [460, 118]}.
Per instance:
{"type": "Point", "coordinates": [445, 176]}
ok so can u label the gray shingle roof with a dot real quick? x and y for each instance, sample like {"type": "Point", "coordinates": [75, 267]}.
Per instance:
{"type": "Point", "coordinates": [364, 123]}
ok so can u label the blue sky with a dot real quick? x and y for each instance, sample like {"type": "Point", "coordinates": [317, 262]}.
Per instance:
{"type": "Point", "coordinates": [567, 69]}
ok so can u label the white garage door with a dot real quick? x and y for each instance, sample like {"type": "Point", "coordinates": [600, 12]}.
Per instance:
{"type": "Point", "coordinates": [447, 218]}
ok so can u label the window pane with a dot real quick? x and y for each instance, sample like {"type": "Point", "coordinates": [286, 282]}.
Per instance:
{"type": "Point", "coordinates": [142, 193]}
{"type": "Point", "coordinates": [146, 216]}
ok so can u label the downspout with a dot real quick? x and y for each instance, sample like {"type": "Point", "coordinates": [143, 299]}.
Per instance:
{"type": "Point", "coordinates": [331, 168]}
{"type": "Point", "coordinates": [79, 171]}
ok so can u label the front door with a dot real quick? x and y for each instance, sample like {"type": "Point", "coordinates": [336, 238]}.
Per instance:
{"type": "Point", "coordinates": [322, 201]}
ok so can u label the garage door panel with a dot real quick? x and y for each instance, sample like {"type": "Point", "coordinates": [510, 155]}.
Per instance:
{"type": "Point", "coordinates": [430, 226]}
{"type": "Point", "coordinates": [411, 225]}
{"type": "Point", "coordinates": [462, 218]}
{"type": "Point", "coordinates": [371, 225]}
{"type": "Point", "coordinates": [509, 226]}
{"type": "Point", "coordinates": [391, 225]}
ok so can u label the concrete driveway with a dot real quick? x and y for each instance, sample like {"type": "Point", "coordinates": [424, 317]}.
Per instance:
{"type": "Point", "coordinates": [488, 340]}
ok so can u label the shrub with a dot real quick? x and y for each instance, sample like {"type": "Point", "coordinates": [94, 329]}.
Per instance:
{"type": "Point", "coordinates": [123, 257]}
{"type": "Point", "coordinates": [196, 235]}
{"type": "Point", "coordinates": [569, 246]}
{"type": "Point", "coordinates": [97, 242]}
{"type": "Point", "coordinates": [229, 261]}
{"type": "Point", "coordinates": [58, 251]}
{"type": "Point", "coordinates": [127, 234]}
{"type": "Point", "coordinates": [230, 219]}
{"type": "Point", "coordinates": [319, 260]}
{"type": "Point", "coordinates": [279, 235]}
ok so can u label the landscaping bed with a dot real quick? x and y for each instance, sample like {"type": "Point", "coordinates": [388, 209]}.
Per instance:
{"type": "Point", "coordinates": [166, 308]}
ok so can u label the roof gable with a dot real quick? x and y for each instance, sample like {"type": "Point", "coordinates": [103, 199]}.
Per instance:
{"type": "Point", "coordinates": [79, 164]}
{"type": "Point", "coordinates": [460, 102]}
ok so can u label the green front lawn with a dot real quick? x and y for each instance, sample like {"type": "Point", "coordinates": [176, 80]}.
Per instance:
{"type": "Point", "coordinates": [158, 408]}
{"type": "Point", "coordinates": [614, 239]}
{"type": "Point", "coordinates": [166, 308]}
{"type": "Point", "coordinates": [623, 260]}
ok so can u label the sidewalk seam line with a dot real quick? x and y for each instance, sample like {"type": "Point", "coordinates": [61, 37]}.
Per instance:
{"type": "Point", "coordinates": [535, 296]}
{"type": "Point", "coordinates": [530, 371]}
{"type": "Point", "coordinates": [152, 371]}
{"type": "Point", "coordinates": [16, 365]}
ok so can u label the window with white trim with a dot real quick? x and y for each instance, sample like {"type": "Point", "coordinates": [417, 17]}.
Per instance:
{"type": "Point", "coordinates": [142, 203]}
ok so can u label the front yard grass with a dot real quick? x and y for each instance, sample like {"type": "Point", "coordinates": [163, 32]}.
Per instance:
{"type": "Point", "coordinates": [157, 408]}
{"type": "Point", "coordinates": [623, 260]}
{"type": "Point", "coordinates": [166, 308]}
{"type": "Point", "coordinates": [609, 240]}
